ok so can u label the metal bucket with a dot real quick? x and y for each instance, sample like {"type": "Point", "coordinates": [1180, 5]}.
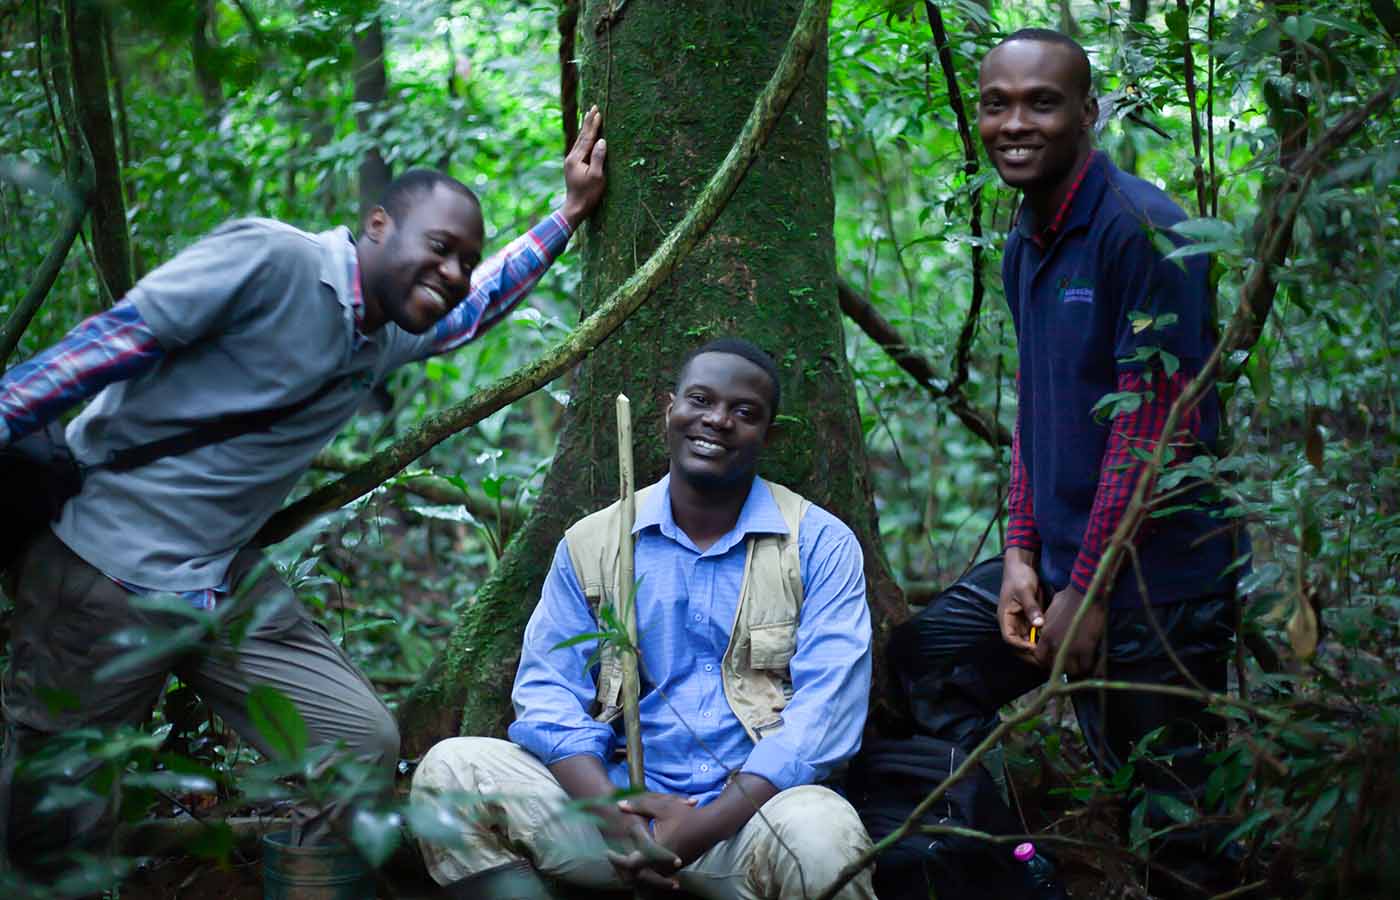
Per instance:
{"type": "Point", "coordinates": [325, 871]}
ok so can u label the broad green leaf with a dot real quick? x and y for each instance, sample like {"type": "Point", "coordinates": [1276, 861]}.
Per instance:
{"type": "Point", "coordinates": [170, 782]}
{"type": "Point", "coordinates": [375, 834]}
{"type": "Point", "coordinates": [276, 718]}
{"type": "Point", "coordinates": [436, 821]}
{"type": "Point", "coordinates": [1174, 808]}
{"type": "Point", "coordinates": [1119, 403]}
{"type": "Point", "coordinates": [59, 796]}
{"type": "Point", "coordinates": [447, 513]}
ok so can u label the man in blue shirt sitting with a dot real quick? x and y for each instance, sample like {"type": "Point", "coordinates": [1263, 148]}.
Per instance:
{"type": "Point", "coordinates": [754, 642]}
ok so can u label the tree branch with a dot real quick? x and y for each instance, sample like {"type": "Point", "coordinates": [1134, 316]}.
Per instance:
{"type": "Point", "coordinates": [48, 270]}
{"type": "Point", "coordinates": [1189, 67]}
{"type": "Point", "coordinates": [568, 72]}
{"type": "Point", "coordinates": [878, 329]}
{"type": "Point", "coordinates": [808, 34]}
{"type": "Point", "coordinates": [974, 309]}
{"type": "Point", "coordinates": [430, 487]}
{"type": "Point", "coordinates": [87, 65]}
{"type": "Point", "coordinates": [1257, 296]}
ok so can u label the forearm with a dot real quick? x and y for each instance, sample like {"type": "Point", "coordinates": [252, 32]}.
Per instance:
{"type": "Point", "coordinates": [1020, 526]}
{"type": "Point", "coordinates": [745, 794]}
{"type": "Point", "coordinates": [1120, 469]}
{"type": "Point", "coordinates": [502, 282]}
{"type": "Point", "coordinates": [584, 779]}
{"type": "Point", "coordinates": [106, 348]}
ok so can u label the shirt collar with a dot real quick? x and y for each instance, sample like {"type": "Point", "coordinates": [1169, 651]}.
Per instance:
{"type": "Point", "coordinates": [340, 270]}
{"type": "Point", "coordinates": [1045, 236]}
{"type": "Point", "coordinates": [759, 515]}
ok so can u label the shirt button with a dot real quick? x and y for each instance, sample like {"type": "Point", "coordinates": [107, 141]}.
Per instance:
{"type": "Point", "coordinates": [709, 668]}
{"type": "Point", "coordinates": [698, 617]}
{"type": "Point", "coordinates": [704, 767]}
{"type": "Point", "coordinates": [708, 714]}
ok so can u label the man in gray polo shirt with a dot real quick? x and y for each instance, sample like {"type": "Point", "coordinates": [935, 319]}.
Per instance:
{"type": "Point", "coordinates": [256, 316]}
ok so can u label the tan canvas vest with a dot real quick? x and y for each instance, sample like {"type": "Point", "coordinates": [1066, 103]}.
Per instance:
{"type": "Point", "coordinates": [754, 670]}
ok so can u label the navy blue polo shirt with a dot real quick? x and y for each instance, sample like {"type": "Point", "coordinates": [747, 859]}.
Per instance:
{"type": "Point", "coordinates": [1075, 305]}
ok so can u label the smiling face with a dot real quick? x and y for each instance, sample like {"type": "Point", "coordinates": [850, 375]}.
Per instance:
{"type": "Point", "coordinates": [717, 421]}
{"type": "Point", "coordinates": [415, 269]}
{"type": "Point", "coordinates": [1035, 116]}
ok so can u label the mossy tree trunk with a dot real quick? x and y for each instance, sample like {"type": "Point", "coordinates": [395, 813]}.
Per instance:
{"type": "Point", "coordinates": [675, 82]}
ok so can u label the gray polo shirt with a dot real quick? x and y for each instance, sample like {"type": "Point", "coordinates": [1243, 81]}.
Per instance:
{"type": "Point", "coordinates": [254, 316]}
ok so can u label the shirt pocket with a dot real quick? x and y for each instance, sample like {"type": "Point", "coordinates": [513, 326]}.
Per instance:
{"type": "Point", "coordinates": [771, 646]}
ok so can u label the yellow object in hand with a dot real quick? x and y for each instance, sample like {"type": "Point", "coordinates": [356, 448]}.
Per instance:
{"type": "Point", "coordinates": [1034, 634]}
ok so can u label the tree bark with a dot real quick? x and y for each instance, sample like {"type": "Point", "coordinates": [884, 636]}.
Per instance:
{"type": "Point", "coordinates": [202, 53]}
{"type": "Point", "coordinates": [88, 64]}
{"type": "Point", "coordinates": [371, 90]}
{"type": "Point", "coordinates": [765, 272]}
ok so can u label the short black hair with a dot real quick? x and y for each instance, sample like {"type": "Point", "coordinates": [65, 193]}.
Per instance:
{"type": "Point", "coordinates": [1050, 36]}
{"type": "Point", "coordinates": [412, 185]}
{"type": "Point", "coordinates": [746, 350]}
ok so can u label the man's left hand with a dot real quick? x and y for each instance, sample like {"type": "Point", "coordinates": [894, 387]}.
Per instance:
{"type": "Point", "coordinates": [1084, 648]}
{"type": "Point", "coordinates": [583, 170]}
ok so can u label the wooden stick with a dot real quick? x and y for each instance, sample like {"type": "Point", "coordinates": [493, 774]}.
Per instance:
{"type": "Point", "coordinates": [626, 597]}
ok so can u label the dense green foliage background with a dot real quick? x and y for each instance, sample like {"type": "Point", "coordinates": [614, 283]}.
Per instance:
{"type": "Point", "coordinates": [475, 87]}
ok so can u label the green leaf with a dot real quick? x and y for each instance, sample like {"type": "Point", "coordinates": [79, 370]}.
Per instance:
{"type": "Point", "coordinates": [447, 513]}
{"type": "Point", "coordinates": [375, 834]}
{"type": "Point", "coordinates": [1264, 575]}
{"type": "Point", "coordinates": [276, 718]}
{"type": "Point", "coordinates": [1110, 406]}
{"type": "Point", "coordinates": [1212, 230]}
{"type": "Point", "coordinates": [1170, 364]}
{"type": "Point", "coordinates": [1174, 808]}
{"type": "Point", "coordinates": [215, 841]}
{"type": "Point", "coordinates": [59, 796]}
{"type": "Point", "coordinates": [170, 782]}
{"type": "Point", "coordinates": [147, 645]}
{"type": "Point", "coordinates": [436, 821]}
{"type": "Point", "coordinates": [1251, 822]}
{"type": "Point", "coordinates": [1320, 808]}
{"type": "Point", "coordinates": [582, 639]}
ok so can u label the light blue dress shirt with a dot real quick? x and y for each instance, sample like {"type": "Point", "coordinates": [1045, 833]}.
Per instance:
{"type": "Point", "coordinates": [685, 609]}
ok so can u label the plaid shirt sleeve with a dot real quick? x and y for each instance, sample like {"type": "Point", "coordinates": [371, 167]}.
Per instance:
{"type": "Point", "coordinates": [1120, 470]}
{"type": "Point", "coordinates": [108, 347]}
{"type": "Point", "coordinates": [499, 283]}
{"type": "Point", "coordinates": [1020, 526]}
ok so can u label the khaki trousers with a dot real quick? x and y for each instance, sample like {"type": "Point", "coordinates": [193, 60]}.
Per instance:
{"type": "Point", "coordinates": [66, 614]}
{"type": "Point", "coordinates": [519, 811]}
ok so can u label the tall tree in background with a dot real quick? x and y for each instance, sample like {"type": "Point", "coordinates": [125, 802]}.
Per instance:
{"type": "Point", "coordinates": [85, 25]}
{"type": "Point", "coordinates": [675, 84]}
{"type": "Point", "coordinates": [371, 89]}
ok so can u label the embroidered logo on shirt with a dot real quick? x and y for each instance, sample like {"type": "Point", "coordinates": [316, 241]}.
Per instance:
{"type": "Point", "coordinates": [1077, 290]}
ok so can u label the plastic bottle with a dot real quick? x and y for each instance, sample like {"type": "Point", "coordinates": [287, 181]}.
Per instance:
{"type": "Point", "coordinates": [1042, 881]}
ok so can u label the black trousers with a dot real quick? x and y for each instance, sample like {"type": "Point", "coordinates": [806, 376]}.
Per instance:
{"type": "Point", "coordinates": [954, 673]}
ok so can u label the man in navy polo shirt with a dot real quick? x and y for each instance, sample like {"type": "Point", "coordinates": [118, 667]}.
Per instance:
{"type": "Point", "coordinates": [1098, 311]}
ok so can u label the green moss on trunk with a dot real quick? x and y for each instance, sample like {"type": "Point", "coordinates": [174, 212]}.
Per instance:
{"type": "Point", "coordinates": [675, 82]}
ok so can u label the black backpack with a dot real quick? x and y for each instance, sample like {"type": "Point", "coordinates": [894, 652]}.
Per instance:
{"type": "Point", "coordinates": [891, 777]}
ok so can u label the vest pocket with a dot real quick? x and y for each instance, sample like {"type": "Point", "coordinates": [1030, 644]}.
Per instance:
{"type": "Point", "coordinates": [772, 646]}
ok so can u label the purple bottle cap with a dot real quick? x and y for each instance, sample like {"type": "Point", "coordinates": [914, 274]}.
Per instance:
{"type": "Point", "coordinates": [1024, 852]}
